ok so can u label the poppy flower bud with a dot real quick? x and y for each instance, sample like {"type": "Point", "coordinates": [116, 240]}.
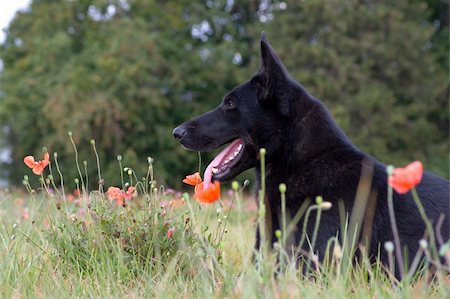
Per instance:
{"type": "Point", "coordinates": [278, 234]}
{"type": "Point", "coordinates": [389, 246]}
{"type": "Point", "coordinates": [262, 152]}
{"type": "Point", "coordinates": [326, 205]}
{"type": "Point", "coordinates": [319, 200]}
{"type": "Point", "coordinates": [423, 244]}
{"type": "Point", "coordinates": [282, 187]}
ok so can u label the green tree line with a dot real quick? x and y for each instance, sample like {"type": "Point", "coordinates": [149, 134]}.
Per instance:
{"type": "Point", "coordinates": [125, 73]}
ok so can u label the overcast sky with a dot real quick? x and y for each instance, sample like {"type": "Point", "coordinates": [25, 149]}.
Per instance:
{"type": "Point", "coordinates": [8, 9]}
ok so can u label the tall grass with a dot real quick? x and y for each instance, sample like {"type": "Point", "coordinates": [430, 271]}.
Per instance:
{"type": "Point", "coordinates": [161, 244]}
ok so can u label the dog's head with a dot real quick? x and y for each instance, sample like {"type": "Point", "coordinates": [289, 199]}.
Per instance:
{"type": "Point", "coordinates": [250, 117]}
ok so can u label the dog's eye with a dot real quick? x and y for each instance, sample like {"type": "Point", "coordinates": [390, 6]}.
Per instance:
{"type": "Point", "coordinates": [229, 104]}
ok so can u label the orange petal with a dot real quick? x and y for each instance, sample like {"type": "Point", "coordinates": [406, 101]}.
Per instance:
{"type": "Point", "coordinates": [47, 157]}
{"type": "Point", "coordinates": [113, 193]}
{"type": "Point", "coordinates": [131, 190]}
{"type": "Point", "coordinates": [29, 161]}
{"type": "Point", "coordinates": [193, 179]}
{"type": "Point", "coordinates": [404, 179]}
{"type": "Point", "coordinates": [398, 185]}
{"type": "Point", "coordinates": [209, 195]}
{"type": "Point", "coordinates": [129, 194]}
{"type": "Point", "coordinates": [44, 163]}
{"type": "Point", "coordinates": [38, 169]}
{"type": "Point", "coordinates": [415, 169]}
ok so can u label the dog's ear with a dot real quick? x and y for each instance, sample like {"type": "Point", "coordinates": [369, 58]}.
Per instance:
{"type": "Point", "coordinates": [271, 78]}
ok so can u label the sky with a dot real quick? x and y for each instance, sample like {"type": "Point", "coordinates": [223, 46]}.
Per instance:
{"type": "Point", "coordinates": [8, 9]}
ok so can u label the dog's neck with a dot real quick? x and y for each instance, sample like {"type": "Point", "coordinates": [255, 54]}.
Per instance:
{"type": "Point", "coordinates": [316, 130]}
{"type": "Point", "coordinates": [319, 144]}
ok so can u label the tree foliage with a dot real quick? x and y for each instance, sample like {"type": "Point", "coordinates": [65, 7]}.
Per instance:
{"type": "Point", "coordinates": [126, 72]}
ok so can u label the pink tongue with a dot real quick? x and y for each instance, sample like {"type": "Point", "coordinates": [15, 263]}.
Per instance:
{"type": "Point", "coordinates": [218, 161]}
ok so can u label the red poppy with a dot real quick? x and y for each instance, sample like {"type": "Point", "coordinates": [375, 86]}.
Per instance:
{"type": "Point", "coordinates": [404, 179]}
{"type": "Point", "coordinates": [202, 195]}
{"type": "Point", "coordinates": [193, 179]}
{"type": "Point", "coordinates": [37, 166]}
{"type": "Point", "coordinates": [170, 233]}
{"type": "Point", "coordinates": [120, 195]}
{"type": "Point", "coordinates": [209, 195]}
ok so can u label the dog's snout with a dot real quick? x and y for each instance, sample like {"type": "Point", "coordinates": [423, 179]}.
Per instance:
{"type": "Point", "coordinates": [179, 132]}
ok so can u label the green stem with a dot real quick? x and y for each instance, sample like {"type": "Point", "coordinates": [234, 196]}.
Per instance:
{"type": "Point", "coordinates": [283, 219]}
{"type": "Point", "coordinates": [77, 162]}
{"type": "Point", "coordinates": [199, 162]}
{"type": "Point", "coordinates": [86, 173]}
{"type": "Point", "coordinates": [100, 181]}
{"type": "Point", "coordinates": [305, 222]}
{"type": "Point", "coordinates": [398, 249]}
{"type": "Point", "coordinates": [60, 175]}
{"type": "Point", "coordinates": [119, 159]}
{"type": "Point", "coordinates": [262, 207]}
{"type": "Point", "coordinates": [428, 225]}
{"type": "Point", "coordinates": [316, 227]}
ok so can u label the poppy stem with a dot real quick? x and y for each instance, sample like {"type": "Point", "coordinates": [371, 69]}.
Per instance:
{"type": "Point", "coordinates": [83, 187]}
{"type": "Point", "coordinates": [398, 249]}
{"type": "Point", "coordinates": [428, 225]}
{"type": "Point", "coordinates": [100, 181]}
{"type": "Point", "coordinates": [262, 207]}
{"type": "Point", "coordinates": [61, 178]}
{"type": "Point", "coordinates": [199, 162]}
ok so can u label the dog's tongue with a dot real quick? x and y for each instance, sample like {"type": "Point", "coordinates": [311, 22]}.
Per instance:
{"type": "Point", "coordinates": [207, 176]}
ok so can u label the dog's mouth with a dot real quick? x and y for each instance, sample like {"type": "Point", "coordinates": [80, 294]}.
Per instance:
{"type": "Point", "coordinates": [222, 166]}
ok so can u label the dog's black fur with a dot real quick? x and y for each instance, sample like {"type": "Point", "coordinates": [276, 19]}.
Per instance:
{"type": "Point", "coordinates": [308, 152]}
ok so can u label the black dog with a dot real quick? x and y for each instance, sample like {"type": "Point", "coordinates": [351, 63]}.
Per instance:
{"type": "Point", "coordinates": [308, 152]}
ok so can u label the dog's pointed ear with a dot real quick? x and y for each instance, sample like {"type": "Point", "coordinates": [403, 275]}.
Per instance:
{"type": "Point", "coordinates": [271, 64]}
{"type": "Point", "coordinates": [271, 76]}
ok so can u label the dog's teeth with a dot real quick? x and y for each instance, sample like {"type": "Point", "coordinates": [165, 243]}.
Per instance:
{"type": "Point", "coordinates": [214, 170]}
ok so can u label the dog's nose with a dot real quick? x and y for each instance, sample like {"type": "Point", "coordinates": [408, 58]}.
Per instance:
{"type": "Point", "coordinates": [178, 132]}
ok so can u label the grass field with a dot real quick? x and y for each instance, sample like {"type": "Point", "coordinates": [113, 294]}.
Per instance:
{"type": "Point", "coordinates": [165, 245]}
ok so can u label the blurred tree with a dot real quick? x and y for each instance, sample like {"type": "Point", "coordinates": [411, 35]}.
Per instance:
{"type": "Point", "coordinates": [372, 64]}
{"type": "Point", "coordinates": [121, 72]}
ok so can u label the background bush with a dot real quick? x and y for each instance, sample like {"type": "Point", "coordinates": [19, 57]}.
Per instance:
{"type": "Point", "coordinates": [125, 73]}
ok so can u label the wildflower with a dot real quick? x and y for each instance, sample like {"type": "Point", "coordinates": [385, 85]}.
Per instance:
{"type": "Point", "coordinates": [202, 195]}
{"type": "Point", "coordinates": [25, 214]}
{"type": "Point", "coordinates": [193, 179]}
{"type": "Point", "coordinates": [120, 195]}
{"type": "Point", "coordinates": [37, 166]}
{"type": "Point", "coordinates": [404, 179]}
{"type": "Point", "coordinates": [170, 233]}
